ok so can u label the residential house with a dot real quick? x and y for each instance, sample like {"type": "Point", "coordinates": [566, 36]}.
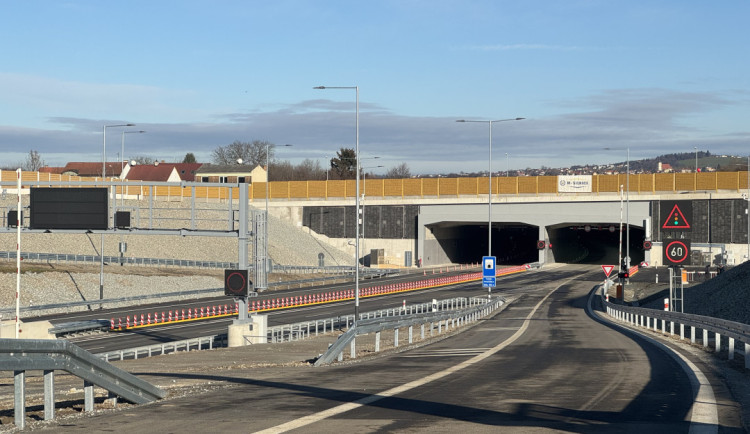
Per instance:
{"type": "Point", "coordinates": [231, 174]}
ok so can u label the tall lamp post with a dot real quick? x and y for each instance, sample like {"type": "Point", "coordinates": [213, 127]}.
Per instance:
{"type": "Point", "coordinates": [364, 192]}
{"type": "Point", "coordinates": [356, 197]}
{"type": "Point", "coordinates": [627, 207]}
{"type": "Point", "coordinates": [104, 175]}
{"type": "Point", "coordinates": [265, 241]}
{"type": "Point", "coordinates": [122, 150]}
{"type": "Point", "coordinates": [489, 179]}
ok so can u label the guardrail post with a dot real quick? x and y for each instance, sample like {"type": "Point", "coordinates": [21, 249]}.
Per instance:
{"type": "Point", "coordinates": [747, 356]}
{"type": "Point", "coordinates": [731, 349]}
{"type": "Point", "coordinates": [395, 338]}
{"type": "Point", "coordinates": [718, 342]}
{"type": "Point", "coordinates": [88, 396]}
{"type": "Point", "coordinates": [663, 326]}
{"type": "Point", "coordinates": [19, 399]}
{"type": "Point", "coordinates": [692, 334]}
{"type": "Point", "coordinates": [422, 332]}
{"type": "Point", "coordinates": [49, 395]}
{"type": "Point", "coordinates": [411, 334]}
{"type": "Point", "coordinates": [682, 331]}
{"type": "Point", "coordinates": [432, 329]}
{"type": "Point", "coordinates": [705, 338]}
{"type": "Point", "coordinates": [377, 342]}
{"type": "Point", "coordinates": [353, 349]}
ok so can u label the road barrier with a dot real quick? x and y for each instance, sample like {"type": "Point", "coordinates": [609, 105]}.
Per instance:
{"type": "Point", "coordinates": [256, 306]}
{"type": "Point", "coordinates": [715, 329]}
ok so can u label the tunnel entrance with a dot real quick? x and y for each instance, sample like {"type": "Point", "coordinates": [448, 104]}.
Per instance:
{"type": "Point", "coordinates": [512, 243]}
{"type": "Point", "coordinates": [595, 244]}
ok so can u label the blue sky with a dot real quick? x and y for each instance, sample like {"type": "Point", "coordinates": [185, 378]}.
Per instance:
{"type": "Point", "coordinates": [657, 77]}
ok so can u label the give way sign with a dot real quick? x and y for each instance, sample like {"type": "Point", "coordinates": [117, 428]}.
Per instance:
{"type": "Point", "coordinates": [608, 269]}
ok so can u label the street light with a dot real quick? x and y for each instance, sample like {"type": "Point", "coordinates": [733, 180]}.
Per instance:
{"type": "Point", "coordinates": [264, 283]}
{"type": "Point", "coordinates": [489, 179]}
{"type": "Point", "coordinates": [627, 208]}
{"type": "Point", "coordinates": [356, 197]}
{"type": "Point", "coordinates": [122, 150]}
{"type": "Point", "coordinates": [507, 166]}
{"type": "Point", "coordinates": [104, 175]}
{"type": "Point", "coordinates": [364, 192]}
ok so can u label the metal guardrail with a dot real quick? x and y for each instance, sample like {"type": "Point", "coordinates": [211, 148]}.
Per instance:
{"type": "Point", "coordinates": [21, 355]}
{"type": "Point", "coordinates": [305, 329]}
{"type": "Point", "coordinates": [652, 319]}
{"type": "Point", "coordinates": [287, 332]}
{"type": "Point", "coordinates": [377, 325]}
{"type": "Point", "coordinates": [194, 344]}
{"type": "Point", "coordinates": [208, 291]}
{"type": "Point", "coordinates": [164, 262]}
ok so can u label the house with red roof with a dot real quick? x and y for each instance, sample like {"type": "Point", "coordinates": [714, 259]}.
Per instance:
{"type": "Point", "coordinates": [160, 171]}
{"type": "Point", "coordinates": [93, 170]}
{"type": "Point", "coordinates": [157, 172]}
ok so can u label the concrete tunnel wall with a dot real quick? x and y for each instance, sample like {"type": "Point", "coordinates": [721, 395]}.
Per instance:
{"type": "Point", "coordinates": [436, 242]}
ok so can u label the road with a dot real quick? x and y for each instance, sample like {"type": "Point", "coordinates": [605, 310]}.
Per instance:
{"type": "Point", "coordinates": [100, 343]}
{"type": "Point", "coordinates": [544, 364]}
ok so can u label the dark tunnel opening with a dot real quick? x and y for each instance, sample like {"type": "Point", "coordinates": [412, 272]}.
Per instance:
{"type": "Point", "coordinates": [512, 244]}
{"type": "Point", "coordinates": [595, 244]}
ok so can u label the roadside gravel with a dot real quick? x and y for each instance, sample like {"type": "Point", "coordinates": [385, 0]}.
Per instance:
{"type": "Point", "coordinates": [55, 283]}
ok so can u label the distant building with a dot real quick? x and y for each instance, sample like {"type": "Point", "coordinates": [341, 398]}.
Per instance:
{"type": "Point", "coordinates": [664, 167]}
{"type": "Point", "coordinates": [241, 174]}
{"type": "Point", "coordinates": [184, 171]}
{"type": "Point", "coordinates": [93, 170]}
{"type": "Point", "coordinates": [157, 172]}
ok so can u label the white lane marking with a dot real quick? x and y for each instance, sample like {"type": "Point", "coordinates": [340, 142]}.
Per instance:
{"type": "Point", "coordinates": [459, 352]}
{"type": "Point", "coordinates": [343, 408]}
{"type": "Point", "coordinates": [704, 415]}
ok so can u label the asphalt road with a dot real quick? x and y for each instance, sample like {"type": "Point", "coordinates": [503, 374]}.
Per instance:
{"type": "Point", "coordinates": [544, 364]}
{"type": "Point", "coordinates": [100, 343]}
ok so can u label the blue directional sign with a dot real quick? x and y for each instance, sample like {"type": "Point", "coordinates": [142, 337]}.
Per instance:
{"type": "Point", "coordinates": [488, 272]}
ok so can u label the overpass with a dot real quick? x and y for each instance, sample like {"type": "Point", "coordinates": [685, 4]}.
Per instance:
{"type": "Point", "coordinates": [569, 228]}
{"type": "Point", "coordinates": [444, 220]}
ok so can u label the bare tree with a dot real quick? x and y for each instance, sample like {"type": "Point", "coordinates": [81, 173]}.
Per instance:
{"type": "Point", "coordinates": [144, 160]}
{"type": "Point", "coordinates": [400, 171]}
{"type": "Point", "coordinates": [252, 153]}
{"type": "Point", "coordinates": [33, 162]}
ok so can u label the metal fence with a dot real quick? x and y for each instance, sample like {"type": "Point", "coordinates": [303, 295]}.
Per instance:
{"type": "Point", "coordinates": [667, 322]}
{"type": "Point", "coordinates": [22, 355]}
{"type": "Point", "coordinates": [444, 320]}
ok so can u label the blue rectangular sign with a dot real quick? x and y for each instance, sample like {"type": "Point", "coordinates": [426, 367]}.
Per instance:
{"type": "Point", "coordinates": [488, 271]}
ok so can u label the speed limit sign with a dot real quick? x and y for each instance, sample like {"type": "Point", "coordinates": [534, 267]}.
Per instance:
{"type": "Point", "coordinates": [676, 252]}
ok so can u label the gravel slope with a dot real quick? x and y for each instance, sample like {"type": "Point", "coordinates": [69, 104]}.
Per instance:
{"type": "Point", "coordinates": [288, 245]}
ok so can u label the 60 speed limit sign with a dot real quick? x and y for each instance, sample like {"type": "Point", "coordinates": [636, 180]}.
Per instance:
{"type": "Point", "coordinates": [676, 252]}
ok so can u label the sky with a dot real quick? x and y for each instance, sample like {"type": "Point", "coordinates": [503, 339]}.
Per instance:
{"type": "Point", "coordinates": [651, 77]}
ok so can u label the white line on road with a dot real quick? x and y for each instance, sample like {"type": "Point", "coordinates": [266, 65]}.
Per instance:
{"type": "Point", "coordinates": [331, 412]}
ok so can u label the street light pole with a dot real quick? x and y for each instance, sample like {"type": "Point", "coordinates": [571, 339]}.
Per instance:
{"type": "Point", "coordinates": [627, 206]}
{"type": "Point", "coordinates": [264, 283]}
{"type": "Point", "coordinates": [489, 179]}
{"type": "Point", "coordinates": [104, 175]}
{"type": "Point", "coordinates": [356, 197]}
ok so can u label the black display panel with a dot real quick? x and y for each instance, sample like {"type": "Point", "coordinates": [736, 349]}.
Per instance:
{"type": "Point", "coordinates": [69, 208]}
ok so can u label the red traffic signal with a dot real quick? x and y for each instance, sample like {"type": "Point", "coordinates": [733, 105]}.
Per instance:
{"type": "Point", "coordinates": [623, 275]}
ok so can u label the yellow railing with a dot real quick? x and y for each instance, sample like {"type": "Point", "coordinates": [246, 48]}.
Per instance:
{"type": "Point", "coordinates": [427, 187]}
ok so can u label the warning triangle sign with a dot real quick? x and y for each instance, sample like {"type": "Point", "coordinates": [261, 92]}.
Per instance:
{"type": "Point", "coordinates": [608, 269]}
{"type": "Point", "coordinates": [676, 220]}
